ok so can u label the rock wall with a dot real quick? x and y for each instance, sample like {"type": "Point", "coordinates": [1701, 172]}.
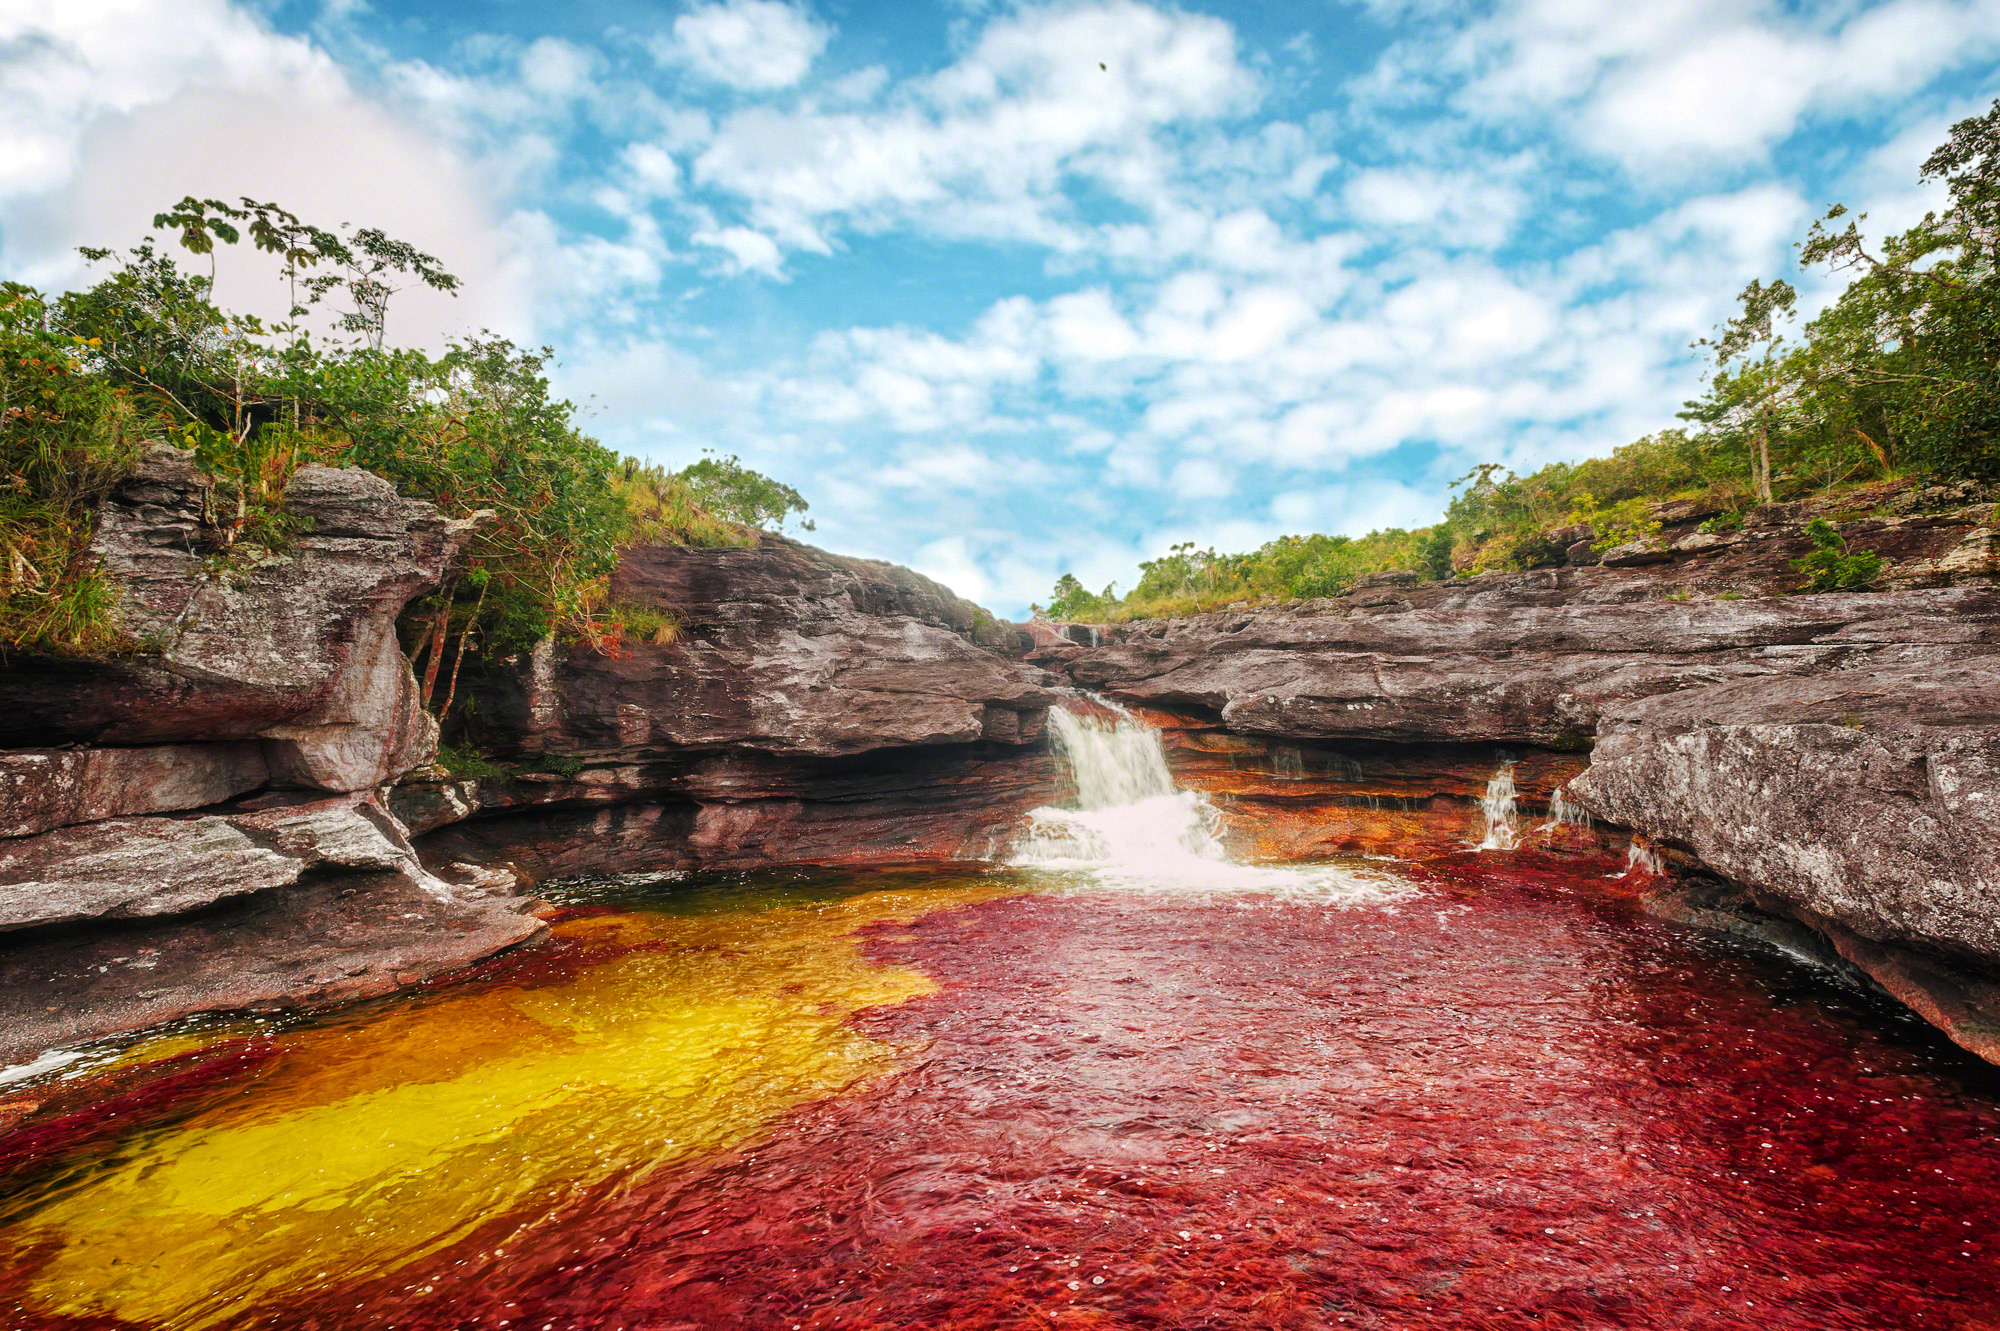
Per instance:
{"type": "Point", "coordinates": [811, 709]}
{"type": "Point", "coordinates": [195, 823]}
{"type": "Point", "coordinates": [238, 811]}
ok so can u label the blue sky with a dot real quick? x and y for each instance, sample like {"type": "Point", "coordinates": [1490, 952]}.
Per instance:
{"type": "Point", "coordinates": [1009, 290]}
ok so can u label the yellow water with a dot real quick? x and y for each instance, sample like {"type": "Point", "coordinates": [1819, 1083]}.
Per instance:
{"type": "Point", "coordinates": [383, 1137]}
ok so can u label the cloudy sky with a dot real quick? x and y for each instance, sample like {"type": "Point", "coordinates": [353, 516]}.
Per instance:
{"type": "Point", "coordinates": [1013, 289]}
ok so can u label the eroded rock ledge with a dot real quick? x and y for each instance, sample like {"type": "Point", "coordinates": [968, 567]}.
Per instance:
{"type": "Point", "coordinates": [239, 813]}
{"type": "Point", "coordinates": [812, 709]}
{"type": "Point", "coordinates": [195, 824]}
{"type": "Point", "coordinates": [1832, 761]}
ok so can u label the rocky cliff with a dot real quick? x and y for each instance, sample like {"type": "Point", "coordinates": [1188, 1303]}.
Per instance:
{"type": "Point", "coordinates": [811, 709]}
{"type": "Point", "coordinates": [1824, 760]}
{"type": "Point", "coordinates": [240, 811]}
{"type": "Point", "coordinates": [195, 823]}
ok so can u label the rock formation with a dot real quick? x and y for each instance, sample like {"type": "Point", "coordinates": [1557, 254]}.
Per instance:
{"type": "Point", "coordinates": [231, 814]}
{"type": "Point", "coordinates": [811, 709]}
{"type": "Point", "coordinates": [124, 824]}
{"type": "Point", "coordinates": [1826, 760]}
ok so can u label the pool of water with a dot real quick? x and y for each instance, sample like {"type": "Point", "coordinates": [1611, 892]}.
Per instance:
{"type": "Point", "coordinates": [1488, 1094]}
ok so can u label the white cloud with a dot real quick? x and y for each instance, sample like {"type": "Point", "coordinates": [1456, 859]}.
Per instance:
{"type": "Point", "coordinates": [1678, 85]}
{"type": "Point", "coordinates": [553, 68]}
{"type": "Point", "coordinates": [983, 147]}
{"type": "Point", "coordinates": [754, 45]}
{"type": "Point", "coordinates": [114, 110]}
{"type": "Point", "coordinates": [65, 64]}
{"type": "Point", "coordinates": [748, 251]}
{"type": "Point", "coordinates": [1459, 208]}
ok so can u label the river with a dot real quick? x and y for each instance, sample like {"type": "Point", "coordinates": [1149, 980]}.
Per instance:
{"type": "Point", "coordinates": [1120, 1082]}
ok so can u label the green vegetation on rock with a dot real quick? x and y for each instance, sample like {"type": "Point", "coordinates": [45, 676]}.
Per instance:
{"type": "Point", "coordinates": [1832, 567]}
{"type": "Point", "coordinates": [91, 378]}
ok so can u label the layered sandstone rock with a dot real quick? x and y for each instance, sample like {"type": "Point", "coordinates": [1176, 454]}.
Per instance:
{"type": "Point", "coordinates": [1834, 759]}
{"type": "Point", "coordinates": [1530, 658]}
{"type": "Point", "coordinates": [295, 650]}
{"type": "Point", "coordinates": [42, 789]}
{"type": "Point", "coordinates": [137, 881]}
{"type": "Point", "coordinates": [811, 709]}
{"type": "Point", "coordinates": [782, 649]}
{"type": "Point", "coordinates": [329, 938]}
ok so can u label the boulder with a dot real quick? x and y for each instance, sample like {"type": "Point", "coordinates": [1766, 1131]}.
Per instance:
{"type": "Point", "coordinates": [1678, 512]}
{"type": "Point", "coordinates": [1395, 577]}
{"type": "Point", "coordinates": [294, 647]}
{"type": "Point", "coordinates": [1633, 554]}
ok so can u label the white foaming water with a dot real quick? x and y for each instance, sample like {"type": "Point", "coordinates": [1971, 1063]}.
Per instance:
{"type": "Point", "coordinates": [1643, 860]}
{"type": "Point", "coordinates": [1133, 828]}
{"type": "Point", "coordinates": [1565, 812]}
{"type": "Point", "coordinates": [1499, 806]}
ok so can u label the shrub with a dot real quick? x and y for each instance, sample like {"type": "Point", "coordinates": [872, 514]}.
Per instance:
{"type": "Point", "coordinates": [1830, 566]}
{"type": "Point", "coordinates": [146, 354]}
{"type": "Point", "coordinates": [564, 765]}
{"type": "Point", "coordinates": [462, 760]}
{"type": "Point", "coordinates": [640, 623]}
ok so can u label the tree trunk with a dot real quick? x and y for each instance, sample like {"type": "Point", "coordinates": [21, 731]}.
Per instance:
{"type": "Point", "coordinates": [437, 651]}
{"type": "Point", "coordinates": [1763, 462]}
{"type": "Point", "coordinates": [451, 689]}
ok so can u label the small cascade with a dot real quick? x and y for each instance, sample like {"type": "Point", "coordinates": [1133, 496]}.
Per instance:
{"type": "Point", "coordinates": [1501, 807]}
{"type": "Point", "coordinates": [1288, 763]}
{"type": "Point", "coordinates": [1565, 814]}
{"type": "Point", "coordinates": [1642, 860]}
{"type": "Point", "coordinates": [1128, 811]}
{"type": "Point", "coordinates": [1132, 826]}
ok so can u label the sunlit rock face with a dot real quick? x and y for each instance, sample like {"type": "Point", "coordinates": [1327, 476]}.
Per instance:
{"type": "Point", "coordinates": [1865, 804]}
{"type": "Point", "coordinates": [811, 709]}
{"type": "Point", "coordinates": [783, 649]}
{"type": "Point", "coordinates": [1870, 798]}
{"type": "Point", "coordinates": [1834, 760]}
{"type": "Point", "coordinates": [143, 876]}
{"type": "Point", "coordinates": [295, 650]}
{"type": "Point", "coordinates": [1530, 658]}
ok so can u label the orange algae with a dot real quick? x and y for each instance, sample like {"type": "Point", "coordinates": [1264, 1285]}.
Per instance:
{"type": "Point", "coordinates": [390, 1135]}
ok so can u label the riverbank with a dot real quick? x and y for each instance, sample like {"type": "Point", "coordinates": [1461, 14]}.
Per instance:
{"type": "Point", "coordinates": [242, 813]}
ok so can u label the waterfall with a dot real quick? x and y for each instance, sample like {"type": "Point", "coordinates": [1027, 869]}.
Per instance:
{"type": "Point", "coordinates": [1128, 811]}
{"type": "Point", "coordinates": [1499, 805]}
{"type": "Point", "coordinates": [1132, 827]}
{"type": "Point", "coordinates": [1565, 814]}
{"type": "Point", "coordinates": [1642, 860]}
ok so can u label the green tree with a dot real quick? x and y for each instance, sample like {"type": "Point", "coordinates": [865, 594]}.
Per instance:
{"type": "Point", "coordinates": [1752, 382]}
{"type": "Point", "coordinates": [728, 489]}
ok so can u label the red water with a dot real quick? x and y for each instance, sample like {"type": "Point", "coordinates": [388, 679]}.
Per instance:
{"type": "Point", "coordinates": [1513, 1102]}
